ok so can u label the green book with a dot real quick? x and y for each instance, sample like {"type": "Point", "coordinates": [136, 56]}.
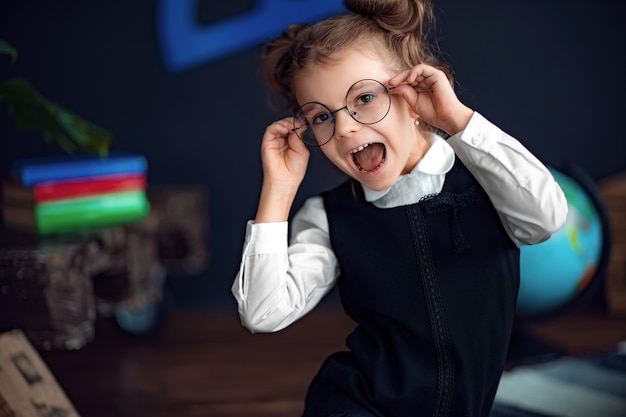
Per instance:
{"type": "Point", "coordinates": [78, 213]}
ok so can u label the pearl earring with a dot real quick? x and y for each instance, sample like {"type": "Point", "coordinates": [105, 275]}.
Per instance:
{"type": "Point", "coordinates": [417, 122]}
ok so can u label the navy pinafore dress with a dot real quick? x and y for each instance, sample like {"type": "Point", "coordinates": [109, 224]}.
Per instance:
{"type": "Point", "coordinates": [432, 287]}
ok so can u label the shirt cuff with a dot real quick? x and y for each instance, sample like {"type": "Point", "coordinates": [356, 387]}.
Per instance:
{"type": "Point", "coordinates": [479, 134]}
{"type": "Point", "coordinates": [265, 237]}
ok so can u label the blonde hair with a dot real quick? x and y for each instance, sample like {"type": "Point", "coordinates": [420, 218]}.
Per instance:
{"type": "Point", "coordinates": [401, 29]}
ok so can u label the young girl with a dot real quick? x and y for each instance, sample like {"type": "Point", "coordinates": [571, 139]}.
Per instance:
{"type": "Point", "coordinates": [422, 240]}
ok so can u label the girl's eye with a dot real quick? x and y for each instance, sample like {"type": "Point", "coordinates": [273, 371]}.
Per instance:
{"type": "Point", "coordinates": [365, 98]}
{"type": "Point", "coordinates": [321, 118]}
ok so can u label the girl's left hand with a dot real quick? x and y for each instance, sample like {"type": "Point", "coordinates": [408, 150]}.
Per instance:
{"type": "Point", "coordinates": [431, 96]}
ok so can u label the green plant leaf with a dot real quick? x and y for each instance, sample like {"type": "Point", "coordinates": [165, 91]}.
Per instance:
{"type": "Point", "coordinates": [32, 111]}
{"type": "Point", "coordinates": [5, 48]}
{"type": "Point", "coordinates": [82, 133]}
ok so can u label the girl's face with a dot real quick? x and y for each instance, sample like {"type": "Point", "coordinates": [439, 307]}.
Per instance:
{"type": "Point", "coordinates": [375, 154]}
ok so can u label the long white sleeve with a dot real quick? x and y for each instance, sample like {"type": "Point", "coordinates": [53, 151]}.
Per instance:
{"type": "Point", "coordinates": [279, 282]}
{"type": "Point", "coordinates": [530, 203]}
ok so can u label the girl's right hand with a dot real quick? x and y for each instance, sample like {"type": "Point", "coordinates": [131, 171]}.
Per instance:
{"type": "Point", "coordinates": [285, 158]}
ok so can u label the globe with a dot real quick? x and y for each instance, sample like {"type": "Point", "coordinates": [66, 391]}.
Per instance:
{"type": "Point", "coordinates": [555, 274]}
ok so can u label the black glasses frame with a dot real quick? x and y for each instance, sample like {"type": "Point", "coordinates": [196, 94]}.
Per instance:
{"type": "Point", "coordinates": [352, 113]}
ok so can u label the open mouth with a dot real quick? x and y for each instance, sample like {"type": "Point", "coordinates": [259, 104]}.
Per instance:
{"type": "Point", "coordinates": [369, 157]}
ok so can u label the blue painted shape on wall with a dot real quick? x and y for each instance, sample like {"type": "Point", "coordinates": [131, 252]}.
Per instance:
{"type": "Point", "coordinates": [185, 44]}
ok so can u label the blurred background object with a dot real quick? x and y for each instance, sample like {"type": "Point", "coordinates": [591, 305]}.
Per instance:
{"type": "Point", "coordinates": [532, 68]}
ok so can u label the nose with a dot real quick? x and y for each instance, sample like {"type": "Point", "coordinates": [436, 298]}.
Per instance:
{"type": "Point", "coordinates": [345, 124]}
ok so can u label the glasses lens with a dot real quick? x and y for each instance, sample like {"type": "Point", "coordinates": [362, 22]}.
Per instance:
{"type": "Point", "coordinates": [314, 124]}
{"type": "Point", "coordinates": [368, 101]}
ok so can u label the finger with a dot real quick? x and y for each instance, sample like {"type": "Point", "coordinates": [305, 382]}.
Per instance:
{"type": "Point", "coordinates": [407, 92]}
{"type": "Point", "coordinates": [279, 129]}
{"type": "Point", "coordinates": [284, 136]}
{"type": "Point", "coordinates": [409, 76]}
{"type": "Point", "coordinates": [421, 77]}
{"type": "Point", "coordinates": [294, 140]}
{"type": "Point", "coordinates": [299, 126]}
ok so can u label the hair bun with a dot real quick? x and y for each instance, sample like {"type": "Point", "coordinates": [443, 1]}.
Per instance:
{"type": "Point", "coordinates": [294, 31]}
{"type": "Point", "coordinates": [399, 16]}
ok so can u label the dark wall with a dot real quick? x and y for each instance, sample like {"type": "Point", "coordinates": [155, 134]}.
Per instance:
{"type": "Point", "coordinates": [550, 72]}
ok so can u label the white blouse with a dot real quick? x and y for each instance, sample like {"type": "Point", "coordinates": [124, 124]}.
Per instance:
{"type": "Point", "coordinates": [281, 280]}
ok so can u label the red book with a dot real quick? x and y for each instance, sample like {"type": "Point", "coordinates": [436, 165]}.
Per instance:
{"type": "Point", "coordinates": [17, 194]}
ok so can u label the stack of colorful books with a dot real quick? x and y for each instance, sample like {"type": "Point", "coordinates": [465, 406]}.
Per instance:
{"type": "Point", "coordinates": [75, 192]}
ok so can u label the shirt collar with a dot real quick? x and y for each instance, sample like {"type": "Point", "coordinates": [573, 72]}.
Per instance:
{"type": "Point", "coordinates": [436, 162]}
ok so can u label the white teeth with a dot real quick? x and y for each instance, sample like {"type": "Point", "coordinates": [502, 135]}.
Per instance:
{"type": "Point", "coordinates": [360, 148]}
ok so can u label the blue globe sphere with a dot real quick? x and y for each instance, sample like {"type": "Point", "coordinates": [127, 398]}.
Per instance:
{"type": "Point", "coordinates": [554, 273]}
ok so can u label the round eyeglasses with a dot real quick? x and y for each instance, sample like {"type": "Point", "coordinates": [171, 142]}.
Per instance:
{"type": "Point", "coordinates": [367, 102]}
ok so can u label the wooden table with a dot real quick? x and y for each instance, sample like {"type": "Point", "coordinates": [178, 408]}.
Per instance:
{"type": "Point", "coordinates": [203, 363]}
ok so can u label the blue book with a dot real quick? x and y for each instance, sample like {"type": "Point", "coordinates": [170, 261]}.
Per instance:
{"type": "Point", "coordinates": [32, 171]}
